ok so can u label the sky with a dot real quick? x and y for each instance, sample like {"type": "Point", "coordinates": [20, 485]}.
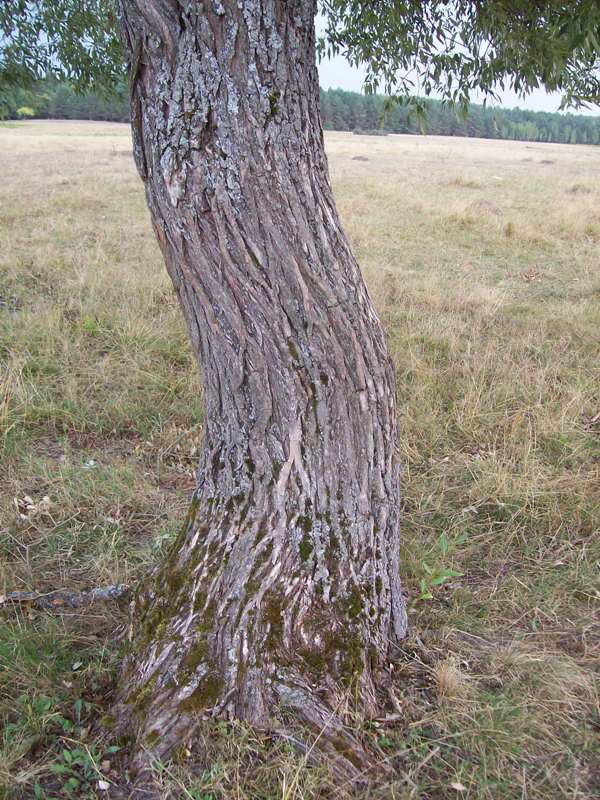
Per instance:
{"type": "Point", "coordinates": [338, 74]}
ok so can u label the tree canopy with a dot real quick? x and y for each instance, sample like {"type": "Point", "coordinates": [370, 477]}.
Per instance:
{"type": "Point", "coordinates": [409, 47]}
{"type": "Point", "coordinates": [454, 48]}
{"type": "Point", "coordinates": [75, 40]}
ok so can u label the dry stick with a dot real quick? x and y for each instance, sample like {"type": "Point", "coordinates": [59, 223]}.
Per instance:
{"type": "Point", "coordinates": [61, 598]}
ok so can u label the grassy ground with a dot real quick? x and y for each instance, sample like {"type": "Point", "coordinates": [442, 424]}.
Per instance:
{"type": "Point", "coordinates": [483, 261]}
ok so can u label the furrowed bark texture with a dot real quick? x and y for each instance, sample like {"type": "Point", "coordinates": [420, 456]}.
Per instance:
{"type": "Point", "coordinates": [284, 582]}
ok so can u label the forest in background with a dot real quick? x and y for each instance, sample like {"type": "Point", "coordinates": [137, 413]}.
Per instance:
{"type": "Point", "coordinates": [351, 111]}
{"type": "Point", "coordinates": [54, 100]}
{"type": "Point", "coordinates": [341, 111]}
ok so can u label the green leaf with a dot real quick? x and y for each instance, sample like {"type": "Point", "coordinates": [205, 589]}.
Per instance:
{"type": "Point", "coordinates": [386, 742]}
{"type": "Point", "coordinates": [439, 580]}
{"type": "Point", "coordinates": [425, 596]}
{"type": "Point", "coordinates": [59, 769]}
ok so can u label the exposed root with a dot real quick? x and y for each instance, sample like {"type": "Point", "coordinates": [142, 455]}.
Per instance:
{"type": "Point", "coordinates": [350, 760]}
{"type": "Point", "coordinates": [62, 598]}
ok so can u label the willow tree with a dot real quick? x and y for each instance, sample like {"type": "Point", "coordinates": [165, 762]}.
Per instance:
{"type": "Point", "coordinates": [284, 583]}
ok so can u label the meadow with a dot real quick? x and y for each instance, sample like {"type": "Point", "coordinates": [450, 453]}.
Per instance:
{"type": "Point", "coordinates": [483, 258]}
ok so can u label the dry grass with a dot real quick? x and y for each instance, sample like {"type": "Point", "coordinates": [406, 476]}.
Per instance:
{"type": "Point", "coordinates": [482, 258]}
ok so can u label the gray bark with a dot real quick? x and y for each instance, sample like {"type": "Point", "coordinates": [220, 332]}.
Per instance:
{"type": "Point", "coordinates": [283, 585]}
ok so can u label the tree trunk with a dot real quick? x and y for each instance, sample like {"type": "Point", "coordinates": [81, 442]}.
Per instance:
{"type": "Point", "coordinates": [283, 585]}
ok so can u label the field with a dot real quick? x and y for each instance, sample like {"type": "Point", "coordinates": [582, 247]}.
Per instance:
{"type": "Point", "coordinates": [483, 258]}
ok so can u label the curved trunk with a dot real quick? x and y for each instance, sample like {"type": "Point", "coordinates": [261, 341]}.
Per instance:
{"type": "Point", "coordinates": [284, 582]}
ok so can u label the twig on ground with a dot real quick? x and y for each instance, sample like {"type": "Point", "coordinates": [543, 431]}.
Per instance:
{"type": "Point", "coordinates": [62, 598]}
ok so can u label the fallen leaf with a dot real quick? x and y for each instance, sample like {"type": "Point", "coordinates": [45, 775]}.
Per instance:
{"type": "Point", "coordinates": [532, 275]}
{"type": "Point", "coordinates": [469, 510]}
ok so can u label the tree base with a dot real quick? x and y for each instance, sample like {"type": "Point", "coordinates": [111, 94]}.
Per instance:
{"type": "Point", "coordinates": [310, 720]}
{"type": "Point", "coordinates": [309, 726]}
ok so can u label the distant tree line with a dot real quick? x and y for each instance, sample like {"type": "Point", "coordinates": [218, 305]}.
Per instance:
{"type": "Point", "coordinates": [53, 100]}
{"type": "Point", "coordinates": [350, 111]}
{"type": "Point", "coordinates": [341, 111]}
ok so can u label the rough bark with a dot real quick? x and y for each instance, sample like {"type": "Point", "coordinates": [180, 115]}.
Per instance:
{"type": "Point", "coordinates": [284, 582]}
